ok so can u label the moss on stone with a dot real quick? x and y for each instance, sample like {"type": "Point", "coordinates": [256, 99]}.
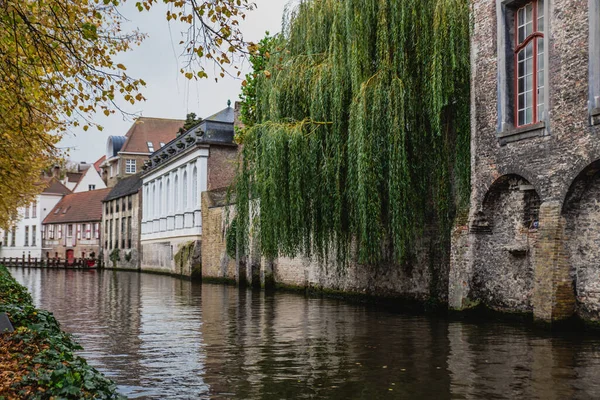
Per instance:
{"type": "Point", "coordinates": [185, 257]}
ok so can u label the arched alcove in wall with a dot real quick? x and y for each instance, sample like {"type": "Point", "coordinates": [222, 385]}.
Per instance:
{"type": "Point", "coordinates": [505, 232]}
{"type": "Point", "coordinates": [581, 211]}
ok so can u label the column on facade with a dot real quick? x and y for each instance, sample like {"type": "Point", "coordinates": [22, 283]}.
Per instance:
{"type": "Point", "coordinates": [553, 296]}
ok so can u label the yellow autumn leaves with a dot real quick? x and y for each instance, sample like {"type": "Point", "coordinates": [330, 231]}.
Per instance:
{"type": "Point", "coordinates": [57, 70]}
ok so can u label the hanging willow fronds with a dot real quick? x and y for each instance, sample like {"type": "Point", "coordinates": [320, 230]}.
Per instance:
{"type": "Point", "coordinates": [391, 80]}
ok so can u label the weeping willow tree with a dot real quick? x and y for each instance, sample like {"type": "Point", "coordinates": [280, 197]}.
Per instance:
{"type": "Point", "coordinates": [362, 131]}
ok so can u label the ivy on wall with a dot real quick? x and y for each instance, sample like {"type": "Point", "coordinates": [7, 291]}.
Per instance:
{"type": "Point", "coordinates": [361, 132]}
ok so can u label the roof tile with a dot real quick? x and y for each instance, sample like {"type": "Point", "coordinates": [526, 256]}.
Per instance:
{"type": "Point", "coordinates": [78, 207]}
{"type": "Point", "coordinates": [154, 130]}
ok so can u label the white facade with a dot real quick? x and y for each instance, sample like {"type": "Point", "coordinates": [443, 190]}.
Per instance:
{"type": "Point", "coordinates": [171, 198]}
{"type": "Point", "coordinates": [90, 180]}
{"type": "Point", "coordinates": [26, 237]}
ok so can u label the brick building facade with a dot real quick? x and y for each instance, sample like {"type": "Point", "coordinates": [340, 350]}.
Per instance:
{"type": "Point", "coordinates": [126, 155]}
{"type": "Point", "coordinates": [531, 242]}
{"type": "Point", "coordinates": [72, 229]}
{"type": "Point", "coordinates": [203, 158]}
{"type": "Point", "coordinates": [121, 220]}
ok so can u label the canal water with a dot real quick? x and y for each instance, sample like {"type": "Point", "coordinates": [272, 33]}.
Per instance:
{"type": "Point", "coordinates": [164, 338]}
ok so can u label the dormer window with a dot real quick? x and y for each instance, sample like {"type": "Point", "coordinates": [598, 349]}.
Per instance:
{"type": "Point", "coordinates": [150, 147]}
{"type": "Point", "coordinates": [162, 145]}
{"type": "Point", "coordinates": [529, 60]}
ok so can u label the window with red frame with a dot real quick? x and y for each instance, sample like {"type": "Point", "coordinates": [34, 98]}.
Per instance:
{"type": "Point", "coordinates": [529, 60]}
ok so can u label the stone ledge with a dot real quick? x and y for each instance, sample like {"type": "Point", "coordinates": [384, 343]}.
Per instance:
{"type": "Point", "coordinates": [525, 132]}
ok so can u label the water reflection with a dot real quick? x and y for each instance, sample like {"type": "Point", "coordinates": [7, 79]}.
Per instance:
{"type": "Point", "coordinates": [161, 337]}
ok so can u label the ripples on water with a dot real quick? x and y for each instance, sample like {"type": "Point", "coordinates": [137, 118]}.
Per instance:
{"type": "Point", "coordinates": [164, 338]}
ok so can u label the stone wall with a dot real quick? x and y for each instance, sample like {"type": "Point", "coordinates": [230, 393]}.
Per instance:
{"type": "Point", "coordinates": [416, 280]}
{"type": "Point", "coordinates": [506, 264]}
{"type": "Point", "coordinates": [129, 254]}
{"type": "Point", "coordinates": [222, 164]}
{"type": "Point", "coordinates": [216, 263]}
{"type": "Point", "coordinates": [174, 256]}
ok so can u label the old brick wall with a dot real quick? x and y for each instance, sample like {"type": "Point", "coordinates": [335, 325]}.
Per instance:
{"type": "Point", "coordinates": [549, 161]}
{"type": "Point", "coordinates": [221, 166]}
{"type": "Point", "coordinates": [216, 263]}
{"type": "Point", "coordinates": [416, 280]}
{"type": "Point", "coordinates": [133, 252]}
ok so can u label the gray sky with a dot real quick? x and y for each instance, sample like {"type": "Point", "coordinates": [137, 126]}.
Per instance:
{"type": "Point", "coordinates": [168, 93]}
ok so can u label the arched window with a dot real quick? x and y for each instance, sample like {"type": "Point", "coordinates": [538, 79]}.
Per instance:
{"type": "Point", "coordinates": [195, 204]}
{"type": "Point", "coordinates": [168, 197]}
{"type": "Point", "coordinates": [176, 194]}
{"type": "Point", "coordinates": [185, 191]}
{"type": "Point", "coordinates": [156, 203]}
{"type": "Point", "coordinates": [529, 61]}
{"type": "Point", "coordinates": [160, 200]}
{"type": "Point", "coordinates": [146, 200]}
{"type": "Point", "coordinates": [152, 201]}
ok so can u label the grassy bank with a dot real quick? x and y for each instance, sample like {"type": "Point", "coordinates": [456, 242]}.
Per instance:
{"type": "Point", "coordinates": [37, 361]}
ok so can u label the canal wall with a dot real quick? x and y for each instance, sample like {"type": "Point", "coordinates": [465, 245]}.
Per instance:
{"type": "Point", "coordinates": [531, 241]}
{"type": "Point", "coordinates": [422, 278]}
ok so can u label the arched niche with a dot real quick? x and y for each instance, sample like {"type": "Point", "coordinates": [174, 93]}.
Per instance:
{"type": "Point", "coordinates": [505, 230]}
{"type": "Point", "coordinates": [581, 212]}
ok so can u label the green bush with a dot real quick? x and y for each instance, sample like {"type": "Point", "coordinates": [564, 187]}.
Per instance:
{"type": "Point", "coordinates": [55, 367]}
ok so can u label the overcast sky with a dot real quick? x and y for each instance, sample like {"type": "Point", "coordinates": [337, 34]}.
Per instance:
{"type": "Point", "coordinates": [168, 93]}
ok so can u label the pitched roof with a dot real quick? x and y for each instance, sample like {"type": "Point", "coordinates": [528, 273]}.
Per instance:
{"type": "Point", "coordinates": [98, 163]}
{"type": "Point", "coordinates": [125, 187]}
{"type": "Point", "coordinates": [54, 186]}
{"type": "Point", "coordinates": [225, 115]}
{"type": "Point", "coordinates": [74, 177]}
{"type": "Point", "coordinates": [153, 130]}
{"type": "Point", "coordinates": [78, 207]}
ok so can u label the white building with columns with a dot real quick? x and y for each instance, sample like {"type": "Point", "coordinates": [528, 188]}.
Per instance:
{"type": "Point", "coordinates": [173, 179]}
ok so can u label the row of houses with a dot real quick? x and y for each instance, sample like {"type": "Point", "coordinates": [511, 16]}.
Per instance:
{"type": "Point", "coordinates": [136, 207]}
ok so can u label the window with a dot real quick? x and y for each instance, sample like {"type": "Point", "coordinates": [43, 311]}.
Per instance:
{"type": "Point", "coordinates": [129, 232]}
{"type": "Point", "coordinates": [91, 187]}
{"type": "Point", "coordinates": [160, 200]}
{"type": "Point", "coordinates": [51, 232]}
{"type": "Point", "coordinates": [26, 236]}
{"type": "Point", "coordinates": [5, 241]}
{"type": "Point", "coordinates": [34, 209]}
{"type": "Point", "coordinates": [168, 197]}
{"type": "Point", "coordinates": [130, 166]}
{"type": "Point", "coordinates": [150, 147]}
{"type": "Point", "coordinates": [27, 212]}
{"type": "Point", "coordinates": [176, 194]}
{"type": "Point", "coordinates": [70, 230]}
{"type": "Point", "coordinates": [129, 202]}
{"type": "Point", "coordinates": [117, 205]}
{"type": "Point", "coordinates": [529, 61]}
{"type": "Point", "coordinates": [117, 233]}
{"type": "Point", "coordinates": [184, 187]}
{"type": "Point", "coordinates": [13, 238]}
{"type": "Point", "coordinates": [112, 173]}
{"type": "Point", "coordinates": [33, 235]}
{"type": "Point", "coordinates": [123, 232]}
{"type": "Point", "coordinates": [195, 201]}
{"type": "Point", "coordinates": [110, 236]}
